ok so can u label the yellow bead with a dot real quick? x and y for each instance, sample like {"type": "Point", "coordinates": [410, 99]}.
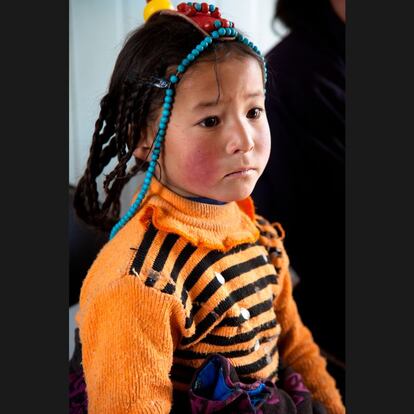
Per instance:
{"type": "Point", "coordinates": [156, 5]}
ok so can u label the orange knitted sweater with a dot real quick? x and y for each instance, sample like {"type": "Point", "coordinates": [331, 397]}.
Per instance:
{"type": "Point", "coordinates": [182, 280]}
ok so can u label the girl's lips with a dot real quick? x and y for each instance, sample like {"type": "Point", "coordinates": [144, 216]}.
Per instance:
{"type": "Point", "coordinates": [240, 173]}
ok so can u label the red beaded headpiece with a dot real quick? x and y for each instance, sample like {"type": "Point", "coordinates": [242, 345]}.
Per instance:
{"type": "Point", "coordinates": [204, 18]}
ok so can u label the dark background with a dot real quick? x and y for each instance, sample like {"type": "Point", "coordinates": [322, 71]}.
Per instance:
{"type": "Point", "coordinates": [379, 207]}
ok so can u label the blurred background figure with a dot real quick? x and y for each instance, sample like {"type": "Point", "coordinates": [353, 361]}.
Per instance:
{"type": "Point", "coordinates": [303, 186]}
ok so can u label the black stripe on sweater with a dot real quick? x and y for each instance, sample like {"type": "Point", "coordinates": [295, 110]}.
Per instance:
{"type": "Point", "coordinates": [164, 251]}
{"type": "Point", "coordinates": [228, 274]}
{"type": "Point", "coordinates": [143, 249]}
{"type": "Point", "coordinates": [182, 259]}
{"type": "Point", "coordinates": [254, 311]}
{"type": "Point", "coordinates": [189, 355]}
{"type": "Point", "coordinates": [226, 304]}
{"type": "Point", "coordinates": [257, 365]}
{"type": "Point", "coordinates": [240, 338]}
{"type": "Point", "coordinates": [207, 261]}
{"type": "Point", "coordinates": [169, 288]}
{"type": "Point", "coordinates": [184, 374]}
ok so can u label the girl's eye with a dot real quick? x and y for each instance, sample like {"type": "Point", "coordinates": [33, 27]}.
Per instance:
{"type": "Point", "coordinates": [254, 113]}
{"type": "Point", "coordinates": [210, 122]}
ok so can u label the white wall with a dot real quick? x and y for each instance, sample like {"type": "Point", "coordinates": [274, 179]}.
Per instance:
{"type": "Point", "coordinates": [97, 29]}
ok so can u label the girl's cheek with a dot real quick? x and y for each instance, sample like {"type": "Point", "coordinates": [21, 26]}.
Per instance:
{"type": "Point", "coordinates": [201, 166]}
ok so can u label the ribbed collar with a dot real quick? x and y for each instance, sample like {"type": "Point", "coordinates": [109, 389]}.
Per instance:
{"type": "Point", "coordinates": [218, 227]}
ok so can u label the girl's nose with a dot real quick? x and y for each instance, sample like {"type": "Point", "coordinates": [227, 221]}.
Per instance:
{"type": "Point", "coordinates": [241, 139]}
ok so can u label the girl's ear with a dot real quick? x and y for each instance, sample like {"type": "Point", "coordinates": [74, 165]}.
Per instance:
{"type": "Point", "coordinates": [142, 150]}
{"type": "Point", "coordinates": [144, 145]}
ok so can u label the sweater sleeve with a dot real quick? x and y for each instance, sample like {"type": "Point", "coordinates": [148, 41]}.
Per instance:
{"type": "Point", "coordinates": [128, 333]}
{"type": "Point", "coordinates": [297, 347]}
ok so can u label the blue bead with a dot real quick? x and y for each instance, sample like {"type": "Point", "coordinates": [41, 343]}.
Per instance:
{"type": "Point", "coordinates": [156, 151]}
{"type": "Point", "coordinates": [166, 112]}
{"type": "Point", "coordinates": [190, 57]}
{"type": "Point", "coordinates": [232, 32]}
{"type": "Point", "coordinates": [161, 132]}
{"type": "Point", "coordinates": [246, 41]}
{"type": "Point", "coordinates": [228, 32]}
{"type": "Point", "coordinates": [212, 7]}
{"type": "Point", "coordinates": [197, 6]}
{"type": "Point", "coordinates": [240, 37]}
{"type": "Point", "coordinates": [217, 24]}
{"type": "Point", "coordinates": [173, 79]}
{"type": "Point", "coordinates": [163, 125]}
{"type": "Point", "coordinates": [164, 119]}
{"type": "Point", "coordinates": [195, 52]}
{"type": "Point", "coordinates": [169, 92]}
{"type": "Point", "coordinates": [222, 31]}
{"type": "Point", "coordinates": [215, 34]}
{"type": "Point", "coordinates": [189, 3]}
{"type": "Point", "coordinates": [250, 44]}
{"type": "Point", "coordinates": [181, 68]}
{"type": "Point", "coordinates": [200, 47]}
{"type": "Point", "coordinates": [166, 105]}
{"type": "Point", "coordinates": [168, 99]}
{"type": "Point", "coordinates": [208, 39]}
{"type": "Point", "coordinates": [185, 62]}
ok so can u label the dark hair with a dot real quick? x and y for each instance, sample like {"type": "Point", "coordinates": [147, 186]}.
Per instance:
{"type": "Point", "coordinates": [301, 13]}
{"type": "Point", "coordinates": [153, 50]}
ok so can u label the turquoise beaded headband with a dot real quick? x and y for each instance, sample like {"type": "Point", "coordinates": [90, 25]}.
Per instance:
{"type": "Point", "coordinates": [208, 20]}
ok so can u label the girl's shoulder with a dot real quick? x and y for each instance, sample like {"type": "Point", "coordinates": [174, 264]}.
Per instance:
{"type": "Point", "coordinates": [271, 237]}
{"type": "Point", "coordinates": [268, 230]}
{"type": "Point", "coordinates": [140, 251]}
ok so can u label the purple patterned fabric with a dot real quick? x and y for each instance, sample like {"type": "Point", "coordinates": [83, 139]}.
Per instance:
{"type": "Point", "coordinates": [78, 401]}
{"type": "Point", "coordinates": [294, 386]}
{"type": "Point", "coordinates": [216, 388]}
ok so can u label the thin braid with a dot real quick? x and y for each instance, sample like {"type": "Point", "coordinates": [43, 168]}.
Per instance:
{"type": "Point", "coordinates": [122, 143]}
{"type": "Point", "coordinates": [86, 195]}
{"type": "Point", "coordinates": [123, 122]}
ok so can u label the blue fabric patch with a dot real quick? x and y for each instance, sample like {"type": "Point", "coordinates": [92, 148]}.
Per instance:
{"type": "Point", "coordinates": [211, 380]}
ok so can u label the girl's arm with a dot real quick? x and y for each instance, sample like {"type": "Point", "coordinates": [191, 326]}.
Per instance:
{"type": "Point", "coordinates": [297, 348]}
{"type": "Point", "coordinates": [128, 334]}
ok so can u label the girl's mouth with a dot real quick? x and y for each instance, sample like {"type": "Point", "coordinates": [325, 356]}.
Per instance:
{"type": "Point", "coordinates": [240, 173]}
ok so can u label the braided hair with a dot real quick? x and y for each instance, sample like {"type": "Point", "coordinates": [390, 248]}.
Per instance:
{"type": "Point", "coordinates": [131, 104]}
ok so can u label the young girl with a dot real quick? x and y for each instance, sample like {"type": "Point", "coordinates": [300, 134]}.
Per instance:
{"type": "Point", "coordinates": [188, 307]}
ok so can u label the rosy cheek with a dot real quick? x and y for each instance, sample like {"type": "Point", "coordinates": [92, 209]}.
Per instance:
{"type": "Point", "coordinates": [201, 165]}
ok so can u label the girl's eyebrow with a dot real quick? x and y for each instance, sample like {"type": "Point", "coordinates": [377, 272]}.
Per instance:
{"type": "Point", "coordinates": [208, 104]}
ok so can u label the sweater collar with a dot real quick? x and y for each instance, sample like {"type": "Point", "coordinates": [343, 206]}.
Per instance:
{"type": "Point", "coordinates": [213, 226]}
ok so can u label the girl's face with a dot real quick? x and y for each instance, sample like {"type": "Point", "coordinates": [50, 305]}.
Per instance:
{"type": "Point", "coordinates": [218, 140]}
